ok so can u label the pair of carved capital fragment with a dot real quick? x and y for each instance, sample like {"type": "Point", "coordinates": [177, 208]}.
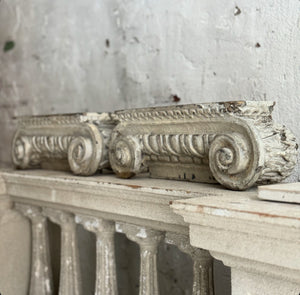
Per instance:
{"type": "Point", "coordinates": [234, 143]}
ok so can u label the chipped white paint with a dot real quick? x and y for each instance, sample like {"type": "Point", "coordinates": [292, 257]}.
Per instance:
{"type": "Point", "coordinates": [53, 195]}
{"type": "Point", "coordinates": [70, 278]}
{"type": "Point", "coordinates": [106, 278]}
{"type": "Point", "coordinates": [142, 233]}
{"type": "Point", "coordinates": [220, 212]}
{"type": "Point", "coordinates": [41, 276]}
{"type": "Point", "coordinates": [29, 211]}
{"type": "Point", "coordinates": [48, 286]}
{"type": "Point", "coordinates": [148, 240]}
{"type": "Point", "coordinates": [118, 228]}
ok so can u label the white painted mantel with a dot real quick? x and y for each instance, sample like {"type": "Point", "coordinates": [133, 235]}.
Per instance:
{"type": "Point", "coordinates": [259, 240]}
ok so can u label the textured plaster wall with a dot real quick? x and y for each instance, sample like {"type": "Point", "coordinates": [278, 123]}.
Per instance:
{"type": "Point", "coordinates": [71, 56]}
{"type": "Point", "coordinates": [79, 55]}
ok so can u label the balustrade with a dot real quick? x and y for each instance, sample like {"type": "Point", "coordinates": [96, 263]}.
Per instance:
{"type": "Point", "coordinates": [106, 280]}
{"type": "Point", "coordinates": [62, 203]}
{"type": "Point", "coordinates": [257, 239]}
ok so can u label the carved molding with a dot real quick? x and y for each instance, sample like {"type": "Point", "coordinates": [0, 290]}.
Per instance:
{"type": "Point", "coordinates": [77, 142]}
{"type": "Point", "coordinates": [234, 143]}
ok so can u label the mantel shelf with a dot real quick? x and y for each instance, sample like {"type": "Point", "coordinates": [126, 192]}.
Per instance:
{"type": "Point", "coordinates": [142, 198]}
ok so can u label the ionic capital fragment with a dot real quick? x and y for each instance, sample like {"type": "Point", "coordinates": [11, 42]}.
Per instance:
{"type": "Point", "coordinates": [234, 143]}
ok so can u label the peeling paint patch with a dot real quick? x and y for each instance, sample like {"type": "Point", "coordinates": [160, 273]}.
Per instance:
{"type": "Point", "coordinates": [118, 228]}
{"type": "Point", "coordinates": [221, 212]}
{"type": "Point", "coordinates": [142, 233]}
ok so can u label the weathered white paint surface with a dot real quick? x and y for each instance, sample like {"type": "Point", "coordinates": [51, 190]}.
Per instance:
{"type": "Point", "coordinates": [199, 51]}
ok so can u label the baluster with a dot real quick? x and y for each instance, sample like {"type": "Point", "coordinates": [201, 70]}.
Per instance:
{"type": "Point", "coordinates": [203, 272]}
{"type": "Point", "coordinates": [148, 241]}
{"type": "Point", "coordinates": [203, 283]}
{"type": "Point", "coordinates": [41, 275]}
{"type": "Point", "coordinates": [106, 278]}
{"type": "Point", "coordinates": [70, 279]}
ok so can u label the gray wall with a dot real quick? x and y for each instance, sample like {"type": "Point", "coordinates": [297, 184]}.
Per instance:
{"type": "Point", "coordinates": [71, 56]}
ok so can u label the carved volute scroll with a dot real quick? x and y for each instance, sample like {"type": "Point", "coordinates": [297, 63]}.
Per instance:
{"type": "Point", "coordinates": [148, 240]}
{"type": "Point", "coordinates": [106, 278]}
{"type": "Point", "coordinates": [203, 282]}
{"type": "Point", "coordinates": [234, 143]}
{"type": "Point", "coordinates": [70, 278]}
{"type": "Point", "coordinates": [77, 141]}
{"type": "Point", "coordinates": [126, 156]}
{"type": "Point", "coordinates": [41, 275]}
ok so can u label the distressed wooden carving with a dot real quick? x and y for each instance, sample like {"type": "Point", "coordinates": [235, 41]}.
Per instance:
{"type": "Point", "coordinates": [76, 141]}
{"type": "Point", "coordinates": [234, 143]}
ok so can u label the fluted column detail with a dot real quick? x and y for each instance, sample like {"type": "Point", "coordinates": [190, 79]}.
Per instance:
{"type": "Point", "coordinates": [203, 283]}
{"type": "Point", "coordinates": [41, 275]}
{"type": "Point", "coordinates": [148, 241]}
{"type": "Point", "coordinates": [106, 278]}
{"type": "Point", "coordinates": [70, 279]}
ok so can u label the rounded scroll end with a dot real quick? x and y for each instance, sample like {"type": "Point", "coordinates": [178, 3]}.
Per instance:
{"type": "Point", "coordinates": [85, 154]}
{"type": "Point", "coordinates": [125, 156]}
{"type": "Point", "coordinates": [281, 153]}
{"type": "Point", "coordinates": [233, 162]}
{"type": "Point", "coordinates": [21, 150]}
